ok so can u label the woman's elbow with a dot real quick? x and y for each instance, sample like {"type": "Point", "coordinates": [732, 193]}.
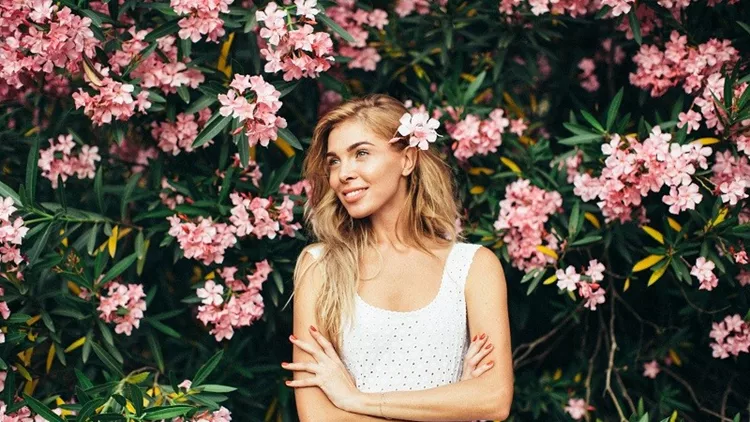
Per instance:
{"type": "Point", "coordinates": [501, 400]}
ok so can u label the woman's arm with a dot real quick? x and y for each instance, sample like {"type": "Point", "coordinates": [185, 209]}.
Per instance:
{"type": "Point", "coordinates": [487, 397]}
{"type": "Point", "coordinates": [312, 404]}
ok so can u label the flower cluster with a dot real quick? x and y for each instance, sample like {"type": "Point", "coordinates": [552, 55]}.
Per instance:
{"type": "Point", "coordinates": [680, 64]}
{"type": "Point", "coordinates": [419, 127]}
{"type": "Point", "coordinates": [355, 21]}
{"type": "Point", "coordinates": [239, 306]}
{"type": "Point", "coordinates": [703, 270]}
{"type": "Point", "coordinates": [250, 173]}
{"type": "Point", "coordinates": [523, 213]}
{"type": "Point", "coordinates": [169, 195]}
{"type": "Point", "coordinates": [163, 70]}
{"type": "Point", "coordinates": [732, 337]}
{"type": "Point", "coordinates": [300, 52]}
{"type": "Point", "coordinates": [591, 291]}
{"type": "Point", "coordinates": [123, 305]}
{"type": "Point", "coordinates": [476, 136]}
{"type": "Point", "coordinates": [259, 217]}
{"type": "Point", "coordinates": [204, 240]}
{"type": "Point", "coordinates": [111, 100]}
{"type": "Point", "coordinates": [12, 232]}
{"type": "Point", "coordinates": [258, 117]}
{"type": "Point", "coordinates": [573, 8]}
{"type": "Point", "coordinates": [58, 160]}
{"type": "Point", "coordinates": [37, 37]}
{"type": "Point", "coordinates": [730, 176]}
{"type": "Point", "coordinates": [201, 18]}
{"type": "Point", "coordinates": [633, 169]}
{"type": "Point", "coordinates": [178, 136]}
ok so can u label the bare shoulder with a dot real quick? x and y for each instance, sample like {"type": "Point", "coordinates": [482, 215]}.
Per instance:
{"type": "Point", "coordinates": [485, 268]}
{"type": "Point", "coordinates": [306, 270]}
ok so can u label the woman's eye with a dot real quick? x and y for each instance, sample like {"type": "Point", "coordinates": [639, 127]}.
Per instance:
{"type": "Point", "coordinates": [332, 162]}
{"type": "Point", "coordinates": [362, 151]}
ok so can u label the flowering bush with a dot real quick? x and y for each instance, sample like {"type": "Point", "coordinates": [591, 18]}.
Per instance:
{"type": "Point", "coordinates": [600, 147]}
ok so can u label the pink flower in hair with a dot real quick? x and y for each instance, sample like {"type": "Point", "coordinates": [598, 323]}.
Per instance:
{"type": "Point", "coordinates": [419, 127]}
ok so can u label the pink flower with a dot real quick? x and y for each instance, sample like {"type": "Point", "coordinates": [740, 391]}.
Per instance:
{"type": "Point", "coordinates": [691, 119]}
{"type": "Point", "coordinates": [127, 298]}
{"type": "Point", "coordinates": [211, 293]}
{"type": "Point", "coordinates": [651, 369]}
{"type": "Point", "coordinates": [420, 128]}
{"type": "Point", "coordinates": [307, 8]}
{"type": "Point", "coordinates": [576, 408]}
{"type": "Point", "coordinates": [568, 279]}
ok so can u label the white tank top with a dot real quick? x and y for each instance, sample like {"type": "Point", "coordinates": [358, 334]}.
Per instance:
{"type": "Point", "coordinates": [415, 350]}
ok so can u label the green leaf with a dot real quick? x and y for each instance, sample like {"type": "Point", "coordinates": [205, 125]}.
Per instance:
{"type": "Point", "coordinates": [474, 87]}
{"type": "Point", "coordinates": [278, 176]}
{"type": "Point", "coordinates": [183, 92]}
{"type": "Point", "coordinates": [7, 192]}
{"type": "Point", "coordinates": [635, 26]}
{"type": "Point", "coordinates": [168, 28]}
{"type": "Point", "coordinates": [207, 368]}
{"type": "Point", "coordinates": [153, 344]}
{"type": "Point", "coordinates": [341, 32]}
{"type": "Point", "coordinates": [91, 241]}
{"type": "Point", "coordinates": [581, 139]}
{"type": "Point", "coordinates": [216, 388]}
{"type": "Point", "coordinates": [163, 328]}
{"type": "Point", "coordinates": [135, 395]}
{"type": "Point", "coordinates": [128, 192]}
{"type": "Point", "coordinates": [165, 412]}
{"type": "Point", "coordinates": [83, 380]}
{"type": "Point", "coordinates": [39, 244]}
{"type": "Point", "coordinates": [575, 214]}
{"type": "Point", "coordinates": [289, 137]}
{"type": "Point", "coordinates": [201, 103]}
{"type": "Point", "coordinates": [107, 359]}
{"type": "Point", "coordinates": [140, 245]}
{"type": "Point", "coordinates": [118, 268]}
{"type": "Point", "coordinates": [744, 26]}
{"type": "Point", "coordinates": [614, 107]}
{"type": "Point", "coordinates": [99, 191]}
{"type": "Point", "coordinates": [214, 125]}
{"type": "Point", "coordinates": [592, 121]}
{"type": "Point", "coordinates": [41, 409]}
{"type": "Point", "coordinates": [586, 240]}
{"type": "Point", "coordinates": [32, 169]}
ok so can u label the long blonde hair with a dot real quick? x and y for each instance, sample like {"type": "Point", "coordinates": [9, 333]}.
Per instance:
{"type": "Point", "coordinates": [430, 211]}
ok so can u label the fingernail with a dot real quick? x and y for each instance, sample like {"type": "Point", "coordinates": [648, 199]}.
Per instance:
{"type": "Point", "coordinates": [490, 363]}
{"type": "Point", "coordinates": [284, 363]}
{"type": "Point", "coordinates": [313, 328]}
{"type": "Point", "coordinates": [482, 336]}
{"type": "Point", "coordinates": [475, 338]}
{"type": "Point", "coordinates": [292, 338]}
{"type": "Point", "coordinates": [286, 382]}
{"type": "Point", "coordinates": [489, 346]}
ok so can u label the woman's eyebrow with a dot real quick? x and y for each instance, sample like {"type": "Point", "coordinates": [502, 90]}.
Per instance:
{"type": "Point", "coordinates": [351, 147]}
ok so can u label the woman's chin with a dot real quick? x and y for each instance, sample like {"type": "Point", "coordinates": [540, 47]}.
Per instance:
{"type": "Point", "coordinates": [358, 212]}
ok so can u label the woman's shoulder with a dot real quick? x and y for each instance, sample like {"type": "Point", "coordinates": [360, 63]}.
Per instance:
{"type": "Point", "coordinates": [314, 249]}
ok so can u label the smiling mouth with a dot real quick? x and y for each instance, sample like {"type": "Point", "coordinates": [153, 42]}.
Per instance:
{"type": "Point", "coordinates": [354, 195]}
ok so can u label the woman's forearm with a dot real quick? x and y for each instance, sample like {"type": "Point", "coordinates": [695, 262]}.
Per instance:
{"type": "Point", "coordinates": [468, 400]}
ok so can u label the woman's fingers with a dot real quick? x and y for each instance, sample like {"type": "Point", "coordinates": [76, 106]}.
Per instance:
{"type": "Point", "coordinates": [476, 345]}
{"type": "Point", "coordinates": [325, 344]}
{"type": "Point", "coordinates": [301, 366]}
{"type": "Point", "coordinates": [484, 351]}
{"type": "Point", "coordinates": [315, 352]}
{"type": "Point", "coordinates": [476, 373]}
{"type": "Point", "coordinates": [305, 382]}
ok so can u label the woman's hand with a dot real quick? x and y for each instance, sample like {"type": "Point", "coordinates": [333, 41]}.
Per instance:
{"type": "Point", "coordinates": [477, 351]}
{"type": "Point", "coordinates": [330, 373]}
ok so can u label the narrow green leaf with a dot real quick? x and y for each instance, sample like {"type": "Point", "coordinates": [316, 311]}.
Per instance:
{"type": "Point", "coordinates": [635, 26]}
{"type": "Point", "coordinates": [99, 191]}
{"type": "Point", "coordinates": [586, 240]}
{"type": "Point", "coordinates": [335, 27]}
{"type": "Point", "coordinates": [215, 125]}
{"type": "Point", "coordinates": [39, 244]}
{"type": "Point", "coordinates": [7, 192]}
{"type": "Point", "coordinates": [41, 409]}
{"type": "Point", "coordinates": [614, 107]}
{"type": "Point", "coordinates": [581, 139]}
{"type": "Point", "coordinates": [128, 192]}
{"type": "Point", "coordinates": [575, 214]}
{"type": "Point", "coordinates": [163, 328]}
{"type": "Point", "coordinates": [592, 121]}
{"type": "Point", "coordinates": [165, 412]}
{"type": "Point", "coordinates": [207, 368]}
{"type": "Point", "coordinates": [118, 268]}
{"type": "Point", "coordinates": [289, 137]}
{"type": "Point", "coordinates": [32, 169]}
{"type": "Point", "coordinates": [474, 87]}
{"type": "Point", "coordinates": [153, 344]}
{"type": "Point", "coordinates": [168, 28]}
{"type": "Point", "coordinates": [107, 359]}
{"type": "Point", "coordinates": [201, 103]}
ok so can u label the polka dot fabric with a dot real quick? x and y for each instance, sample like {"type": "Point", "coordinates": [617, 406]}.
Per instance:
{"type": "Point", "coordinates": [393, 351]}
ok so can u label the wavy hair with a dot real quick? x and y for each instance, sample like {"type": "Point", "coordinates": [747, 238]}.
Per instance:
{"type": "Point", "coordinates": [430, 211]}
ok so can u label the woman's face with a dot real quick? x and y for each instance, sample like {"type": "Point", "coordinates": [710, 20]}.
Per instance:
{"type": "Point", "coordinates": [365, 171]}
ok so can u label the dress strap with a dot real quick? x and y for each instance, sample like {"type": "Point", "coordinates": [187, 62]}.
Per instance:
{"type": "Point", "coordinates": [460, 262]}
{"type": "Point", "coordinates": [315, 250]}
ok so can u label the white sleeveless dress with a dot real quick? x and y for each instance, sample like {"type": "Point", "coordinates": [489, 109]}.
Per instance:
{"type": "Point", "coordinates": [395, 351]}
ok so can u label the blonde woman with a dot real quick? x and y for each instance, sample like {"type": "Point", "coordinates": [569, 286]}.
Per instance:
{"type": "Point", "coordinates": [393, 314]}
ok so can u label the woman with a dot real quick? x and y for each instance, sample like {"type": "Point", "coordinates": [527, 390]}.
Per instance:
{"type": "Point", "coordinates": [388, 304]}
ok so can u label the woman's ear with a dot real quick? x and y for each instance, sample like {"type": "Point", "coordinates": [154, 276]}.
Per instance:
{"type": "Point", "coordinates": [409, 160]}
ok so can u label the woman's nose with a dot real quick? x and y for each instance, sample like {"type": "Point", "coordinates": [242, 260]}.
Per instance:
{"type": "Point", "coordinates": [347, 171]}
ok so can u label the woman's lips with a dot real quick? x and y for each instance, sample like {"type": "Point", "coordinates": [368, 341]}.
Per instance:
{"type": "Point", "coordinates": [354, 196]}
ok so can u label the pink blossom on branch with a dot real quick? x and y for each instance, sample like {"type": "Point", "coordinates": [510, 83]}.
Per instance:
{"type": "Point", "coordinates": [82, 165]}
{"type": "Point", "coordinates": [127, 298]}
{"type": "Point", "coordinates": [258, 115]}
{"type": "Point", "coordinates": [201, 18]}
{"type": "Point", "coordinates": [732, 337]}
